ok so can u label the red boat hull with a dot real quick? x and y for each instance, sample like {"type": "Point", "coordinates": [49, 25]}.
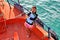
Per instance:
{"type": "Point", "coordinates": [12, 28]}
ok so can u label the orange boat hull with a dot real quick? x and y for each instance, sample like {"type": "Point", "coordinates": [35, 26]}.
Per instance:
{"type": "Point", "coordinates": [13, 28]}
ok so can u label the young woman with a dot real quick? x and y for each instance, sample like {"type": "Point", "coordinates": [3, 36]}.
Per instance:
{"type": "Point", "coordinates": [30, 20]}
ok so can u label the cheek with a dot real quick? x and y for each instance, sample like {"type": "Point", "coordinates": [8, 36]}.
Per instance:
{"type": "Point", "coordinates": [34, 10]}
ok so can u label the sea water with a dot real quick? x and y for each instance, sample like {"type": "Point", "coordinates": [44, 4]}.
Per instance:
{"type": "Point", "coordinates": [48, 11]}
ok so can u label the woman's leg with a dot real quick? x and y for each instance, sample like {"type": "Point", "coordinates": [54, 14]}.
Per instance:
{"type": "Point", "coordinates": [28, 32]}
{"type": "Point", "coordinates": [27, 29]}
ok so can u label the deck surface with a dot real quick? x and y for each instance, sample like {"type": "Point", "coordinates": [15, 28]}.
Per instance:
{"type": "Point", "coordinates": [22, 33]}
{"type": "Point", "coordinates": [14, 27]}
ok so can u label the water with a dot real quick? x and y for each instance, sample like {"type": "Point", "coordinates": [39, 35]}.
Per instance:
{"type": "Point", "coordinates": [48, 11]}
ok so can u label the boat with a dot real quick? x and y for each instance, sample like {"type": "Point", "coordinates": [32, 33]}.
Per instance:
{"type": "Point", "coordinates": [12, 24]}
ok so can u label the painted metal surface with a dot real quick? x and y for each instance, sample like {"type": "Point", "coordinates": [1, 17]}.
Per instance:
{"type": "Point", "coordinates": [12, 27]}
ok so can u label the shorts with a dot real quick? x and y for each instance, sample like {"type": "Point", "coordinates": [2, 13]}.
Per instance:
{"type": "Point", "coordinates": [28, 25]}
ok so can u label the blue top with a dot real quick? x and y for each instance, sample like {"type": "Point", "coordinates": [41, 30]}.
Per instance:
{"type": "Point", "coordinates": [30, 18]}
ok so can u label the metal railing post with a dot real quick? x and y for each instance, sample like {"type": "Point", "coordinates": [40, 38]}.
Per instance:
{"type": "Point", "coordinates": [49, 34]}
{"type": "Point", "coordinates": [18, 1]}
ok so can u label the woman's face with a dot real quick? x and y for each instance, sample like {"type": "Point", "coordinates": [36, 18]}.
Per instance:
{"type": "Point", "coordinates": [33, 10]}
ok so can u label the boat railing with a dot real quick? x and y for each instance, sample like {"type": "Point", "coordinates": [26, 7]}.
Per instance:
{"type": "Point", "coordinates": [39, 21]}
